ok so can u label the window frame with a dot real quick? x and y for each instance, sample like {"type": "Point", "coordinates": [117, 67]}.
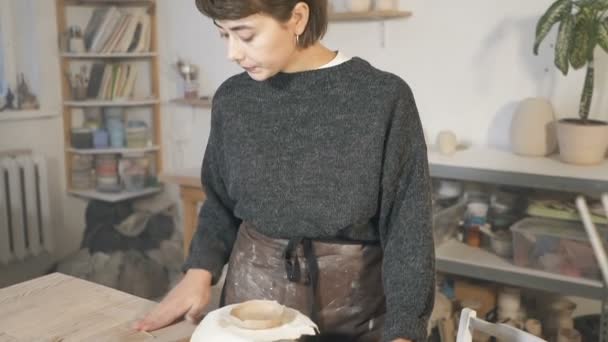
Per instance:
{"type": "Point", "coordinates": [8, 49]}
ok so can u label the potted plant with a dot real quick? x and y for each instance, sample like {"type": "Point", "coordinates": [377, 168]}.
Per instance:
{"type": "Point", "coordinates": [582, 26]}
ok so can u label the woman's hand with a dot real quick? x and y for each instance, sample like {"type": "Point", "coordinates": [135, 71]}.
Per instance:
{"type": "Point", "coordinates": [189, 297]}
{"type": "Point", "coordinates": [402, 340]}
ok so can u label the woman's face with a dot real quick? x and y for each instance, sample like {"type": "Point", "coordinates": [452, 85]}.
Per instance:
{"type": "Point", "coordinates": [260, 44]}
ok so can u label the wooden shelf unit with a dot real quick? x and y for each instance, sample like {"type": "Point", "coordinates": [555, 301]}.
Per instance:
{"type": "Point", "coordinates": [369, 15]}
{"type": "Point", "coordinates": [123, 3]}
{"type": "Point", "coordinates": [203, 102]}
{"type": "Point", "coordinates": [114, 197]}
{"type": "Point", "coordinates": [89, 55]}
{"type": "Point", "coordinates": [125, 150]}
{"type": "Point", "coordinates": [110, 103]}
{"type": "Point", "coordinates": [153, 101]}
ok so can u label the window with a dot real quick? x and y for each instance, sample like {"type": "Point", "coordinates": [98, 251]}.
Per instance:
{"type": "Point", "coordinates": [3, 51]}
{"type": "Point", "coordinates": [2, 77]}
{"type": "Point", "coordinates": [21, 48]}
{"type": "Point", "coordinates": [7, 57]}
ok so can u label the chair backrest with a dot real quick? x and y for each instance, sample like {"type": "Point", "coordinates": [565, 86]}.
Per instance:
{"type": "Point", "coordinates": [469, 323]}
{"type": "Point", "coordinates": [594, 237]}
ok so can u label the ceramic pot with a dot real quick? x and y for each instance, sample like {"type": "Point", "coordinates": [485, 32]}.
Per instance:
{"type": "Point", "coordinates": [509, 301]}
{"type": "Point", "coordinates": [447, 142]}
{"type": "Point", "coordinates": [337, 6]}
{"type": "Point", "coordinates": [534, 327]}
{"type": "Point", "coordinates": [500, 241]}
{"type": "Point", "coordinates": [359, 5]}
{"type": "Point", "coordinates": [385, 5]}
{"type": "Point", "coordinates": [568, 335]}
{"type": "Point", "coordinates": [558, 315]}
{"type": "Point", "coordinates": [582, 144]}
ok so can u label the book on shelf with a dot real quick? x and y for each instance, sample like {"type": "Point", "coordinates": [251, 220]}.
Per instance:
{"type": "Point", "coordinates": [112, 81]}
{"type": "Point", "coordinates": [93, 25]}
{"type": "Point", "coordinates": [103, 31]}
{"type": "Point", "coordinates": [116, 34]}
{"type": "Point", "coordinates": [111, 30]}
{"type": "Point", "coordinates": [95, 78]}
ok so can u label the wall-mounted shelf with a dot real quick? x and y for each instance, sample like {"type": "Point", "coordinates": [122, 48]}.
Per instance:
{"type": "Point", "coordinates": [109, 55]}
{"type": "Point", "coordinates": [369, 16]}
{"type": "Point", "coordinates": [489, 165]}
{"type": "Point", "coordinates": [111, 103]}
{"type": "Point", "coordinates": [17, 115]}
{"type": "Point", "coordinates": [109, 2]}
{"type": "Point", "coordinates": [379, 16]}
{"type": "Point", "coordinates": [113, 197]}
{"type": "Point", "coordinates": [494, 166]}
{"type": "Point", "coordinates": [203, 102]}
{"type": "Point", "coordinates": [113, 150]}
{"type": "Point", "coordinates": [457, 258]}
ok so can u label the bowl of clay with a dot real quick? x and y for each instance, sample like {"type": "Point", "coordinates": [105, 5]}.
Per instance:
{"type": "Point", "coordinates": [258, 315]}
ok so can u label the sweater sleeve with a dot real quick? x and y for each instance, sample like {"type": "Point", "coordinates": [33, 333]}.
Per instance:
{"type": "Point", "coordinates": [217, 226]}
{"type": "Point", "coordinates": [408, 268]}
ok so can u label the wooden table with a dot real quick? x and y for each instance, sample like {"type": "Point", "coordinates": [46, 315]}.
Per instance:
{"type": "Point", "coordinates": [58, 307]}
{"type": "Point", "coordinates": [191, 194]}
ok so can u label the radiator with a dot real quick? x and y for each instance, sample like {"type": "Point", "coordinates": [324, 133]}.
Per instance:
{"type": "Point", "coordinates": [25, 216]}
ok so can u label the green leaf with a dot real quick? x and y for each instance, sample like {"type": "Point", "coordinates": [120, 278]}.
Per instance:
{"type": "Point", "coordinates": [598, 5]}
{"type": "Point", "coordinates": [582, 39]}
{"type": "Point", "coordinates": [592, 3]}
{"type": "Point", "coordinates": [554, 14]}
{"type": "Point", "coordinates": [602, 35]}
{"type": "Point", "coordinates": [564, 41]}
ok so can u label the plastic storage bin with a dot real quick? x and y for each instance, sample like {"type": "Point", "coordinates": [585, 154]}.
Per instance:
{"type": "Point", "coordinates": [555, 246]}
{"type": "Point", "coordinates": [82, 138]}
{"type": "Point", "coordinates": [106, 167]}
{"type": "Point", "coordinates": [137, 134]}
{"type": "Point", "coordinates": [82, 172]}
{"type": "Point", "coordinates": [115, 126]}
{"type": "Point", "coordinates": [132, 171]}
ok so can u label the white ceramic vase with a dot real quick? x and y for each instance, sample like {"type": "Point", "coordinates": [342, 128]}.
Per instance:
{"type": "Point", "coordinates": [338, 6]}
{"type": "Point", "coordinates": [385, 5]}
{"type": "Point", "coordinates": [447, 142]}
{"type": "Point", "coordinates": [359, 5]}
{"type": "Point", "coordinates": [533, 128]}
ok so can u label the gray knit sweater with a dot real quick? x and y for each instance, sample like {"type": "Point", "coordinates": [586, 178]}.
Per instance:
{"type": "Point", "coordinates": [327, 153]}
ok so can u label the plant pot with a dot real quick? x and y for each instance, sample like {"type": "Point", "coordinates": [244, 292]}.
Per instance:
{"type": "Point", "coordinates": [582, 143]}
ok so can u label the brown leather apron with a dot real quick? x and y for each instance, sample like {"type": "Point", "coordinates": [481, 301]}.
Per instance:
{"type": "Point", "coordinates": [337, 284]}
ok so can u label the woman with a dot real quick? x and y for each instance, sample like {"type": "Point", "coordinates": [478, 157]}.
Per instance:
{"type": "Point", "coordinates": [316, 180]}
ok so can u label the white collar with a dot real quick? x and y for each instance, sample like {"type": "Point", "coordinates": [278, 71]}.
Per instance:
{"type": "Point", "coordinates": [339, 59]}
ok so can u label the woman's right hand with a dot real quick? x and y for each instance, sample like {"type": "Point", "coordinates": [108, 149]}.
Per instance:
{"type": "Point", "coordinates": [188, 298]}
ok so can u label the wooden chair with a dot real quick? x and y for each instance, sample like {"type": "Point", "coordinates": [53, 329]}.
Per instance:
{"type": "Point", "coordinates": [469, 323]}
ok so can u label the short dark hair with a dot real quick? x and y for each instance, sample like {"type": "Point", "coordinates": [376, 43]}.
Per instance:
{"type": "Point", "coordinates": [278, 9]}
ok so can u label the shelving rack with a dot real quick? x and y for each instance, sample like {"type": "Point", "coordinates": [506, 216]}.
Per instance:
{"type": "Point", "coordinates": [151, 102]}
{"type": "Point", "coordinates": [494, 166]}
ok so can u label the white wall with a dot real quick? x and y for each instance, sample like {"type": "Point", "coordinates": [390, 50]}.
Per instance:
{"type": "Point", "coordinates": [45, 136]}
{"type": "Point", "coordinates": [469, 63]}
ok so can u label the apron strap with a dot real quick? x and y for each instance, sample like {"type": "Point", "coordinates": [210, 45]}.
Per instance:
{"type": "Point", "coordinates": [294, 274]}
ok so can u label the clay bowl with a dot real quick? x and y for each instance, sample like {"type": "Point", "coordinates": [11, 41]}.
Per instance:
{"type": "Point", "coordinates": [258, 314]}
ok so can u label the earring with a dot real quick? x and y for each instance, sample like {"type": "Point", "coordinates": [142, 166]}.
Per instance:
{"type": "Point", "coordinates": [297, 39]}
